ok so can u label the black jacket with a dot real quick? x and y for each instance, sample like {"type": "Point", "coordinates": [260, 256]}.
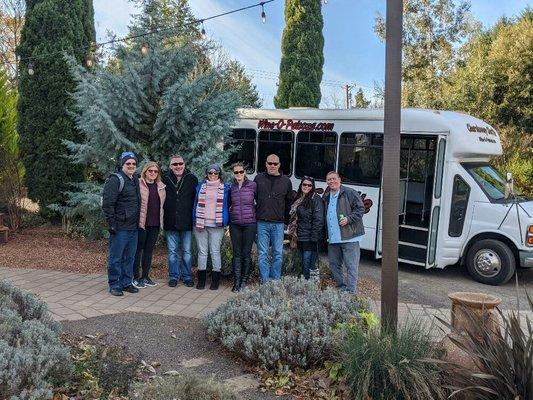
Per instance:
{"type": "Point", "coordinates": [350, 205]}
{"type": "Point", "coordinates": [274, 197]}
{"type": "Point", "coordinates": [311, 220]}
{"type": "Point", "coordinates": [179, 202]}
{"type": "Point", "coordinates": [121, 209]}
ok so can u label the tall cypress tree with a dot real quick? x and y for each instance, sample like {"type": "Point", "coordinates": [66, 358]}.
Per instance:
{"type": "Point", "coordinates": [53, 29]}
{"type": "Point", "coordinates": [302, 57]}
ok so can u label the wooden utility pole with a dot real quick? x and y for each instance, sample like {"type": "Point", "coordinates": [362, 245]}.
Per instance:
{"type": "Point", "coordinates": [391, 166]}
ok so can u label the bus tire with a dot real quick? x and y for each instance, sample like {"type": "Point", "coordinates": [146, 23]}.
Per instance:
{"type": "Point", "coordinates": [491, 262]}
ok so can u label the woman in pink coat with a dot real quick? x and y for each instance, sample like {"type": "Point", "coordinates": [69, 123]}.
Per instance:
{"type": "Point", "coordinates": [153, 195]}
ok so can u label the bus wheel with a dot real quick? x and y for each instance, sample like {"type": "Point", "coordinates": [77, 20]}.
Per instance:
{"type": "Point", "coordinates": [490, 261]}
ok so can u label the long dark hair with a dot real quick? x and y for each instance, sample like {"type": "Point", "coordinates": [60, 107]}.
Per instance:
{"type": "Point", "coordinates": [307, 201]}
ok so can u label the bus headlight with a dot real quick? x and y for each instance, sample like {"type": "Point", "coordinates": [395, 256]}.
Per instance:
{"type": "Point", "coordinates": [529, 235]}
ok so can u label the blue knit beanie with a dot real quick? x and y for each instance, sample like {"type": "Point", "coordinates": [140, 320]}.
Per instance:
{"type": "Point", "coordinates": [127, 155]}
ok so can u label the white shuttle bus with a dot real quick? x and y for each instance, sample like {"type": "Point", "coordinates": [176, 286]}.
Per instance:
{"type": "Point", "coordinates": [453, 208]}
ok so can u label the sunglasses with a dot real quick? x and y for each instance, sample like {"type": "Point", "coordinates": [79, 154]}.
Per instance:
{"type": "Point", "coordinates": [212, 173]}
{"type": "Point", "coordinates": [238, 172]}
{"type": "Point", "coordinates": [153, 171]}
{"type": "Point", "coordinates": [177, 163]}
{"type": "Point", "coordinates": [307, 185]}
{"type": "Point", "coordinates": [130, 164]}
{"type": "Point", "coordinates": [272, 163]}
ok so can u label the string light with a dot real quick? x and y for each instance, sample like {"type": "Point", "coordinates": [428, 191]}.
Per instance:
{"type": "Point", "coordinates": [263, 14]}
{"type": "Point", "coordinates": [325, 1]}
{"type": "Point", "coordinates": [94, 45]}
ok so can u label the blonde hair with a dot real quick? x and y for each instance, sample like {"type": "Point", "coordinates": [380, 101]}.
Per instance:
{"type": "Point", "coordinates": [148, 165]}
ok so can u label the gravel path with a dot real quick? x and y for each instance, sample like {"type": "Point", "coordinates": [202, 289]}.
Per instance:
{"type": "Point", "coordinates": [178, 343]}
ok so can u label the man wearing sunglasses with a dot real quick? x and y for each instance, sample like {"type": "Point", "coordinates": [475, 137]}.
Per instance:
{"type": "Point", "coordinates": [274, 198]}
{"type": "Point", "coordinates": [177, 220]}
{"type": "Point", "coordinates": [121, 204]}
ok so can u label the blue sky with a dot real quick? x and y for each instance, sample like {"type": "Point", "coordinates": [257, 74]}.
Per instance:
{"type": "Point", "coordinates": [352, 51]}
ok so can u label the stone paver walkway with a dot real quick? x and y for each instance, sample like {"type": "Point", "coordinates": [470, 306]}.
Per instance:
{"type": "Point", "coordinates": [73, 296]}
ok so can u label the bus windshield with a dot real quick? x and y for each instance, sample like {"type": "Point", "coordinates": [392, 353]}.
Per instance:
{"type": "Point", "coordinates": [489, 179]}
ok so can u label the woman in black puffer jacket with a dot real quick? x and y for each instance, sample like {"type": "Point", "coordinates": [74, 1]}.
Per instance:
{"type": "Point", "coordinates": [307, 223]}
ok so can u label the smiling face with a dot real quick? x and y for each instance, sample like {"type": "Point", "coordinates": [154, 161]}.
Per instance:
{"type": "Point", "coordinates": [334, 181]}
{"type": "Point", "coordinates": [272, 164]}
{"type": "Point", "coordinates": [239, 173]}
{"type": "Point", "coordinates": [177, 165]}
{"type": "Point", "coordinates": [307, 186]}
{"type": "Point", "coordinates": [213, 175]}
{"type": "Point", "coordinates": [129, 167]}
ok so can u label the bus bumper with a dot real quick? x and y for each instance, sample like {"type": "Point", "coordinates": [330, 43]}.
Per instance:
{"type": "Point", "coordinates": [526, 259]}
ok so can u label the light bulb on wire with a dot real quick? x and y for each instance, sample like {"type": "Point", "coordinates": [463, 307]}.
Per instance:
{"type": "Point", "coordinates": [31, 71]}
{"type": "Point", "coordinates": [263, 14]}
{"type": "Point", "coordinates": [204, 35]}
{"type": "Point", "coordinates": [325, 1]}
{"type": "Point", "coordinates": [144, 49]}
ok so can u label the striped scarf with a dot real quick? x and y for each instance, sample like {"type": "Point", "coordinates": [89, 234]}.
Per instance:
{"type": "Point", "coordinates": [219, 209]}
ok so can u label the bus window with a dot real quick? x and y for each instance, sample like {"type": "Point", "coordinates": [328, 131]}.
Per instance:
{"type": "Point", "coordinates": [315, 154]}
{"type": "Point", "coordinates": [245, 139]}
{"type": "Point", "coordinates": [360, 158]}
{"type": "Point", "coordinates": [275, 142]}
{"type": "Point", "coordinates": [460, 194]}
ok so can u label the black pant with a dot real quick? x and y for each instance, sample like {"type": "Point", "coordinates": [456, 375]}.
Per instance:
{"type": "Point", "coordinates": [242, 239]}
{"type": "Point", "coordinates": [146, 240]}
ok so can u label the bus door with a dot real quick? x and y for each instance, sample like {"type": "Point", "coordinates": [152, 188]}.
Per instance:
{"type": "Point", "coordinates": [418, 168]}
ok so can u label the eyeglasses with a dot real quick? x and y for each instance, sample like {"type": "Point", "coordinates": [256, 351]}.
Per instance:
{"type": "Point", "coordinates": [130, 164]}
{"type": "Point", "coordinates": [272, 163]}
{"type": "Point", "coordinates": [307, 185]}
{"type": "Point", "coordinates": [174, 164]}
{"type": "Point", "coordinates": [153, 171]}
{"type": "Point", "coordinates": [212, 173]}
{"type": "Point", "coordinates": [238, 172]}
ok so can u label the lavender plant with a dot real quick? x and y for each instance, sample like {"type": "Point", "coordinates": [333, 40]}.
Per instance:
{"type": "Point", "coordinates": [31, 353]}
{"type": "Point", "coordinates": [283, 323]}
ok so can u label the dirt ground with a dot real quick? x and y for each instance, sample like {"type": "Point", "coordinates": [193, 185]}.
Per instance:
{"type": "Point", "coordinates": [49, 248]}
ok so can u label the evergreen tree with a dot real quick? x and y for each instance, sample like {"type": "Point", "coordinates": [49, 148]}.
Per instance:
{"type": "Point", "coordinates": [156, 105]}
{"type": "Point", "coordinates": [302, 57]}
{"type": "Point", "coordinates": [360, 100]}
{"type": "Point", "coordinates": [432, 33]}
{"type": "Point", "coordinates": [52, 28]}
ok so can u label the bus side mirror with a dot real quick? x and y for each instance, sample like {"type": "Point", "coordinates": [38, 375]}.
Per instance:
{"type": "Point", "coordinates": [509, 185]}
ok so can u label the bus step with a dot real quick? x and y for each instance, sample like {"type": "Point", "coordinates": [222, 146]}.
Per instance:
{"type": "Point", "coordinates": [412, 253]}
{"type": "Point", "coordinates": [416, 236]}
{"type": "Point", "coordinates": [418, 228]}
{"type": "Point", "coordinates": [418, 246]}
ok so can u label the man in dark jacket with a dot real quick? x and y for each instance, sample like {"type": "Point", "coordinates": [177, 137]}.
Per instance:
{"type": "Point", "coordinates": [274, 197]}
{"type": "Point", "coordinates": [344, 220]}
{"type": "Point", "coordinates": [121, 206]}
{"type": "Point", "coordinates": [177, 219]}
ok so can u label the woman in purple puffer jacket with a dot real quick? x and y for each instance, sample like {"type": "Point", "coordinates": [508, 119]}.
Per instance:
{"type": "Point", "coordinates": [242, 225]}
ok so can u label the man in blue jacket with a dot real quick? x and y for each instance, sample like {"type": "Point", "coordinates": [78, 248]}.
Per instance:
{"type": "Point", "coordinates": [344, 220]}
{"type": "Point", "coordinates": [121, 207]}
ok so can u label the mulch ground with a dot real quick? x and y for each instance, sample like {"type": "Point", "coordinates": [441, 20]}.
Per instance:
{"type": "Point", "coordinates": [47, 247]}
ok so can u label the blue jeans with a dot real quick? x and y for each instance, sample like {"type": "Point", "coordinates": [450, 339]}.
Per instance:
{"type": "Point", "coordinates": [309, 259]}
{"type": "Point", "coordinates": [350, 254]}
{"type": "Point", "coordinates": [122, 247]}
{"type": "Point", "coordinates": [270, 234]}
{"type": "Point", "coordinates": [179, 255]}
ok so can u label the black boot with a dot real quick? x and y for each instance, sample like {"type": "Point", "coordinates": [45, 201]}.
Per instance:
{"type": "Point", "coordinates": [215, 280]}
{"type": "Point", "coordinates": [201, 279]}
{"type": "Point", "coordinates": [246, 272]}
{"type": "Point", "coordinates": [237, 264]}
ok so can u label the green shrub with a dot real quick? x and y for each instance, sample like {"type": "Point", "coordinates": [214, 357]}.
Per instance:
{"type": "Point", "coordinates": [505, 359]}
{"type": "Point", "coordinates": [31, 353]}
{"type": "Point", "coordinates": [182, 387]}
{"type": "Point", "coordinates": [387, 367]}
{"type": "Point", "coordinates": [288, 322]}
